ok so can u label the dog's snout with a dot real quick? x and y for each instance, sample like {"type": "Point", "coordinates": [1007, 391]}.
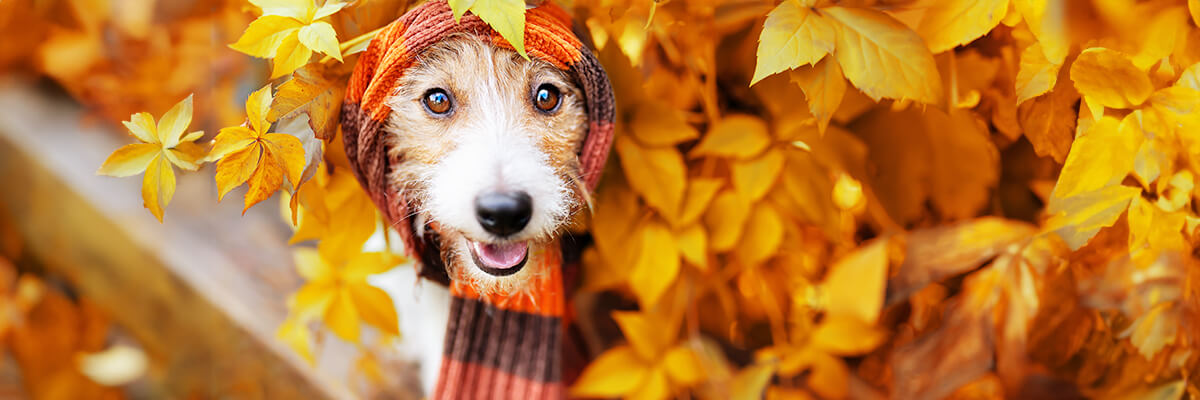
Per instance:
{"type": "Point", "coordinates": [503, 213]}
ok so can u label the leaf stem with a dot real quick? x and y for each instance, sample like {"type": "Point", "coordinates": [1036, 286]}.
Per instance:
{"type": "Point", "coordinates": [354, 41]}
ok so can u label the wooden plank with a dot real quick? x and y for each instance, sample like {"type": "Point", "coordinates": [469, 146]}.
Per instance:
{"type": "Point", "coordinates": [203, 293]}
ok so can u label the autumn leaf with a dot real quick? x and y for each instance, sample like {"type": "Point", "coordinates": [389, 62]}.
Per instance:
{"type": "Point", "coordinates": [163, 144]}
{"type": "Point", "coordinates": [1037, 75]}
{"type": "Point", "coordinates": [507, 17]}
{"type": "Point", "coordinates": [289, 31]}
{"type": "Point", "coordinates": [656, 124]}
{"type": "Point", "coordinates": [882, 57]}
{"type": "Point", "coordinates": [654, 270]}
{"type": "Point", "coordinates": [824, 86]}
{"type": "Point", "coordinates": [336, 290]}
{"type": "Point", "coordinates": [648, 367]}
{"type": "Point", "coordinates": [753, 178]}
{"type": "Point", "coordinates": [1047, 20]}
{"type": "Point", "coordinates": [763, 234]}
{"type": "Point", "coordinates": [739, 136]}
{"type": "Point", "coordinates": [1108, 78]}
{"type": "Point", "coordinates": [658, 174]}
{"type": "Point", "coordinates": [854, 286]}
{"type": "Point", "coordinates": [316, 90]}
{"type": "Point", "coordinates": [793, 35]}
{"type": "Point", "coordinates": [251, 154]}
{"type": "Point", "coordinates": [957, 22]}
{"type": "Point", "coordinates": [725, 220]}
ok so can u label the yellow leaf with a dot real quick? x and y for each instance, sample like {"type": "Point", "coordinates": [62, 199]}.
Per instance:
{"type": "Point", "coordinates": [645, 335]}
{"type": "Point", "coordinates": [291, 55]}
{"type": "Point", "coordinates": [265, 34]}
{"type": "Point", "coordinates": [1162, 34]}
{"type": "Point", "coordinates": [164, 145]}
{"type": "Point", "coordinates": [289, 32]}
{"type": "Point", "coordinates": [653, 386]}
{"type": "Point", "coordinates": [683, 366]}
{"type": "Point", "coordinates": [855, 284]}
{"type": "Point", "coordinates": [658, 174]}
{"type": "Point", "coordinates": [616, 372]}
{"type": "Point", "coordinates": [320, 37]}
{"type": "Point", "coordinates": [1077, 218]}
{"type": "Point", "coordinates": [288, 153]}
{"type": "Point", "coordinates": [738, 136]}
{"type": "Point", "coordinates": [657, 124]}
{"type": "Point", "coordinates": [264, 181]}
{"type": "Point", "coordinates": [1152, 230]}
{"type": "Point", "coordinates": [1190, 78]}
{"type": "Point", "coordinates": [952, 23]}
{"type": "Point", "coordinates": [1048, 121]}
{"type": "Point", "coordinates": [255, 156]}
{"type": "Point", "coordinates": [375, 307]}
{"type": "Point", "coordinates": [692, 243]}
{"type": "Point", "coordinates": [1100, 157]}
{"type": "Point", "coordinates": [846, 335]}
{"type": "Point", "coordinates": [828, 375]}
{"type": "Point", "coordinates": [1037, 75]}
{"type": "Point", "coordinates": [824, 86]}
{"type": "Point", "coordinates": [342, 318]}
{"type": "Point", "coordinates": [1047, 21]}
{"type": "Point", "coordinates": [656, 269]}
{"type": "Point", "coordinates": [235, 168]}
{"type": "Point", "coordinates": [751, 382]}
{"type": "Point", "coordinates": [316, 90]}
{"type": "Point", "coordinates": [158, 186]}
{"type": "Point", "coordinates": [753, 178]}
{"type": "Point", "coordinates": [1110, 79]}
{"type": "Point", "coordinates": [616, 215]}
{"type": "Point", "coordinates": [725, 219]}
{"type": "Point", "coordinates": [764, 233]}
{"type": "Point", "coordinates": [173, 124]}
{"type": "Point", "coordinates": [297, 336]}
{"type": "Point", "coordinates": [1154, 330]}
{"type": "Point", "coordinates": [882, 57]}
{"type": "Point", "coordinates": [142, 126]}
{"type": "Point", "coordinates": [1194, 10]}
{"type": "Point", "coordinates": [130, 159]}
{"type": "Point", "coordinates": [966, 164]}
{"type": "Point", "coordinates": [793, 35]}
{"type": "Point", "coordinates": [507, 17]}
{"type": "Point", "coordinates": [700, 192]}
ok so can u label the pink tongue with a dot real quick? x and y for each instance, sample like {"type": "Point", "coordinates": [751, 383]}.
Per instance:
{"type": "Point", "coordinates": [501, 256]}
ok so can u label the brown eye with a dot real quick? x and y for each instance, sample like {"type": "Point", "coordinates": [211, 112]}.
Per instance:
{"type": "Point", "coordinates": [546, 98]}
{"type": "Point", "coordinates": [437, 102]}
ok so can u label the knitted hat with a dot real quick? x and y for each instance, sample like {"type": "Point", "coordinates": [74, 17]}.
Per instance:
{"type": "Point", "coordinates": [548, 37]}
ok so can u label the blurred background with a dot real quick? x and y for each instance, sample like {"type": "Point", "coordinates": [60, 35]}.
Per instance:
{"type": "Point", "coordinates": [98, 300]}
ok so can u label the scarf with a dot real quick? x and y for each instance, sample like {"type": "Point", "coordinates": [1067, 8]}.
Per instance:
{"type": "Point", "coordinates": [497, 345]}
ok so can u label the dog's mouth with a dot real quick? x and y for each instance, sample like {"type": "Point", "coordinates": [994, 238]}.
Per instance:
{"type": "Point", "coordinates": [499, 259]}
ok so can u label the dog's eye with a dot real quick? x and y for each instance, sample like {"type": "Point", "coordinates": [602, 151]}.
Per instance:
{"type": "Point", "coordinates": [437, 101]}
{"type": "Point", "coordinates": [546, 98]}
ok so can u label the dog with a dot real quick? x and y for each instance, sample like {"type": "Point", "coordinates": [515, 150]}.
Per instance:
{"type": "Point", "coordinates": [486, 143]}
{"type": "Point", "coordinates": [479, 158]}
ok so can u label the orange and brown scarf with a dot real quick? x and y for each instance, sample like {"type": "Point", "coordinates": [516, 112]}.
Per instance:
{"type": "Point", "coordinates": [496, 346]}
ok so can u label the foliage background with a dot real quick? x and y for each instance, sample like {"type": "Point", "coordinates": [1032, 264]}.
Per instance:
{"type": "Point", "coordinates": [808, 199]}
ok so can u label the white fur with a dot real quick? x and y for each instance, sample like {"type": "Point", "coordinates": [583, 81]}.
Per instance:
{"type": "Point", "coordinates": [496, 153]}
{"type": "Point", "coordinates": [423, 309]}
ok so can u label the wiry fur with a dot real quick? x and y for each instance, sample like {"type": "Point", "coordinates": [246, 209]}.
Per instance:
{"type": "Point", "coordinates": [494, 139]}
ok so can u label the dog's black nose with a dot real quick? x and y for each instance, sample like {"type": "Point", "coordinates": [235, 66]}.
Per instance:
{"type": "Point", "coordinates": [503, 213]}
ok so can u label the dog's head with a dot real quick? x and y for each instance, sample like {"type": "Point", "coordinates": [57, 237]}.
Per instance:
{"type": "Point", "coordinates": [484, 144]}
{"type": "Point", "coordinates": [478, 157]}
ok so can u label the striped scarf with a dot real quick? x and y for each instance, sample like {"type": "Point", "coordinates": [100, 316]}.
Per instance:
{"type": "Point", "coordinates": [497, 345]}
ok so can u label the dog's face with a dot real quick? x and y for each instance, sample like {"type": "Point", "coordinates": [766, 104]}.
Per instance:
{"type": "Point", "coordinates": [484, 144]}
